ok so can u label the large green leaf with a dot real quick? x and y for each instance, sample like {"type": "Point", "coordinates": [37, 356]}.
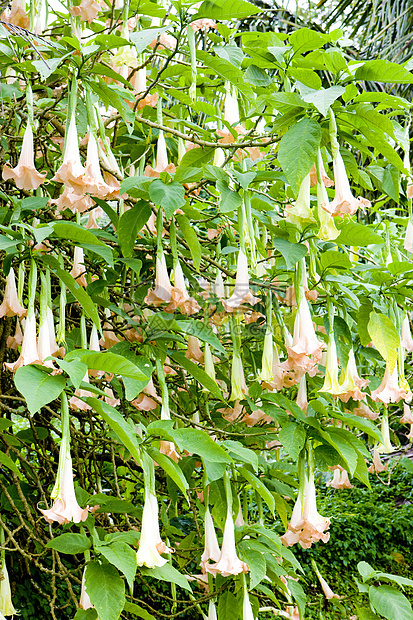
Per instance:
{"type": "Point", "coordinates": [167, 572]}
{"type": "Point", "coordinates": [381, 70]}
{"type": "Point", "coordinates": [227, 71]}
{"type": "Point", "coordinates": [259, 487]}
{"type": "Point", "coordinates": [197, 372]}
{"type": "Point", "coordinates": [130, 224]}
{"type": "Point", "coordinates": [390, 603]}
{"type": "Point", "coordinates": [323, 99]}
{"type": "Point", "coordinates": [358, 235]}
{"type": "Point", "coordinates": [293, 436]}
{"type": "Point", "coordinates": [83, 237]}
{"type": "Point", "coordinates": [108, 362]}
{"type": "Point", "coordinates": [139, 611]}
{"type": "Point", "coordinates": [229, 606]}
{"type": "Point", "coordinates": [123, 557]}
{"type": "Point", "coordinates": [190, 236]}
{"type": "Point", "coordinates": [38, 387]}
{"type": "Point", "coordinates": [298, 151]}
{"type": "Point", "coordinates": [170, 196]}
{"type": "Point", "coordinates": [142, 38]}
{"type": "Point", "coordinates": [118, 424]}
{"type": "Point", "coordinates": [292, 252]}
{"type": "Point", "coordinates": [170, 467]}
{"type": "Point", "coordinates": [106, 590]}
{"type": "Point", "coordinates": [70, 543]}
{"type": "Point", "coordinates": [303, 40]}
{"type": "Point", "coordinates": [226, 9]}
{"type": "Point", "coordinates": [202, 331]}
{"type": "Point", "coordinates": [384, 336]}
{"type": "Point", "coordinates": [199, 442]}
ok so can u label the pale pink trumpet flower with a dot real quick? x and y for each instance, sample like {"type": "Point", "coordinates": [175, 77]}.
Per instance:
{"type": "Point", "coordinates": [247, 613]}
{"type": "Point", "coordinates": [71, 172]}
{"type": "Point", "coordinates": [328, 592]}
{"type": "Point", "coordinates": [238, 385]}
{"type": "Point", "coordinates": [242, 293]}
{"type": "Point", "coordinates": [180, 298]}
{"type": "Point", "coordinates": [406, 339]}
{"type": "Point", "coordinates": [194, 351]}
{"type": "Point", "coordinates": [25, 174]}
{"type": "Point", "coordinates": [84, 602]}
{"type": "Point", "coordinates": [11, 305]}
{"type": "Point", "coordinates": [94, 182]}
{"type": "Point", "coordinates": [211, 548]}
{"type": "Point", "coordinates": [228, 563]}
{"type": "Point", "coordinates": [78, 270]}
{"type": "Point", "coordinates": [151, 545]}
{"type": "Point", "coordinates": [340, 479]}
{"type": "Point", "coordinates": [364, 411]}
{"type": "Point", "coordinates": [377, 466]}
{"type": "Point", "coordinates": [344, 201]}
{"type": "Point", "coordinates": [351, 384]}
{"type": "Point", "coordinates": [407, 417]}
{"type": "Point", "coordinates": [389, 391]}
{"type": "Point", "coordinates": [305, 351]}
{"type": "Point", "coordinates": [29, 353]}
{"type": "Point", "coordinates": [6, 604]}
{"type": "Point", "coordinates": [162, 163]}
{"type": "Point", "coordinates": [408, 240]}
{"type": "Point", "coordinates": [162, 293]}
{"type": "Point", "coordinates": [87, 10]}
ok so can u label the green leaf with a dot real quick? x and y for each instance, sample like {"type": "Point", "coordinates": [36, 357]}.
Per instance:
{"type": "Point", "coordinates": [401, 581]}
{"type": "Point", "coordinates": [384, 336]}
{"type": "Point", "coordinates": [292, 252]}
{"type": "Point", "coordinates": [130, 223]}
{"type": "Point", "coordinates": [190, 236]}
{"type": "Point", "coordinates": [123, 557]}
{"type": "Point", "coordinates": [170, 467]}
{"type": "Point", "coordinates": [85, 614]}
{"type": "Point", "coordinates": [230, 200]}
{"type": "Point", "coordinates": [8, 462]}
{"type": "Point", "coordinates": [358, 235]}
{"type": "Point", "coordinates": [75, 369]}
{"type": "Point", "coordinates": [70, 543]}
{"type": "Point", "coordinates": [244, 454]}
{"type": "Point", "coordinates": [106, 590]}
{"type": "Point", "coordinates": [77, 291]}
{"type": "Point", "coordinates": [118, 424]}
{"type": "Point", "coordinates": [303, 40]}
{"type": "Point", "coordinates": [38, 387]}
{"type": "Point", "coordinates": [202, 331]}
{"type": "Point", "coordinates": [168, 573]}
{"type": "Point", "coordinates": [142, 38]}
{"type": "Point", "coordinates": [260, 487]}
{"type": "Point", "coordinates": [195, 158]}
{"type": "Point", "coordinates": [226, 9]}
{"type": "Point", "coordinates": [199, 442]}
{"type": "Point", "coordinates": [137, 610]}
{"type": "Point", "coordinates": [229, 606]}
{"type": "Point", "coordinates": [5, 423]}
{"type": "Point", "coordinates": [197, 372]}
{"type": "Point", "coordinates": [390, 603]}
{"type": "Point", "coordinates": [335, 260]}
{"type": "Point", "coordinates": [170, 196]}
{"type": "Point", "coordinates": [323, 99]}
{"type": "Point", "coordinates": [293, 436]}
{"type": "Point", "coordinates": [365, 613]}
{"type": "Point", "coordinates": [343, 446]}
{"type": "Point", "coordinates": [108, 362]}
{"type": "Point", "coordinates": [83, 237]}
{"type": "Point", "coordinates": [46, 69]}
{"type": "Point", "coordinates": [227, 71]}
{"type": "Point", "coordinates": [381, 70]}
{"type": "Point", "coordinates": [298, 151]}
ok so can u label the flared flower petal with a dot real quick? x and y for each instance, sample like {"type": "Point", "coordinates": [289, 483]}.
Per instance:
{"type": "Point", "coordinates": [25, 174]}
{"type": "Point", "coordinates": [11, 305]}
{"type": "Point", "coordinates": [242, 293]}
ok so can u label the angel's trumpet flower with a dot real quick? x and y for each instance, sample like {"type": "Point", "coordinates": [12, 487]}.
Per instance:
{"type": "Point", "coordinates": [79, 269]}
{"type": "Point", "coordinates": [247, 613]}
{"type": "Point", "coordinates": [180, 296]}
{"type": "Point", "coordinates": [11, 305]}
{"type": "Point", "coordinates": [351, 384]}
{"type": "Point", "coordinates": [328, 592]}
{"type": "Point", "coordinates": [25, 174]}
{"type": "Point", "coordinates": [408, 240]}
{"type": "Point", "coordinates": [331, 385]}
{"type": "Point", "coordinates": [162, 293]}
{"type": "Point", "coordinates": [84, 602]}
{"type": "Point", "coordinates": [406, 339]}
{"type": "Point", "coordinates": [71, 172]}
{"type": "Point", "coordinates": [242, 293]}
{"type": "Point", "coordinates": [162, 163]}
{"type": "Point", "coordinates": [389, 391]}
{"type": "Point", "coordinates": [344, 202]}
{"type": "Point", "coordinates": [6, 605]}
{"type": "Point", "coordinates": [300, 212]}
{"type": "Point", "coordinates": [238, 386]}
{"type": "Point", "coordinates": [305, 351]}
{"type": "Point", "coordinates": [211, 547]}
{"type": "Point", "coordinates": [65, 507]}
{"type": "Point", "coordinates": [87, 10]}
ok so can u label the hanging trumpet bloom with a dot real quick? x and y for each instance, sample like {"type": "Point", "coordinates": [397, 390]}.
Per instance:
{"type": "Point", "coordinates": [386, 447]}
{"type": "Point", "coordinates": [15, 341]}
{"type": "Point", "coordinates": [71, 171]}
{"type": "Point", "coordinates": [162, 163]}
{"type": "Point", "coordinates": [6, 605]}
{"type": "Point", "coordinates": [11, 305]}
{"type": "Point", "coordinates": [247, 613]}
{"type": "Point", "coordinates": [194, 351]}
{"type": "Point", "coordinates": [344, 201]}
{"type": "Point", "coordinates": [209, 362]}
{"type": "Point", "coordinates": [305, 351]}
{"type": "Point", "coordinates": [389, 390]}
{"type": "Point", "coordinates": [340, 479]}
{"type": "Point", "coordinates": [408, 240]}
{"type": "Point", "coordinates": [162, 293]}
{"type": "Point", "coordinates": [84, 602]}
{"type": "Point", "coordinates": [211, 548]}
{"type": "Point", "coordinates": [25, 174]}
{"type": "Point", "coordinates": [302, 400]}
{"type": "Point", "coordinates": [327, 182]}
{"type": "Point", "coordinates": [228, 563]}
{"type": "Point", "coordinates": [242, 293]}
{"type": "Point", "coordinates": [407, 417]}
{"type": "Point", "coordinates": [351, 384]}
{"type": "Point", "coordinates": [150, 544]}
{"type": "Point", "coordinates": [331, 385]}
{"type": "Point", "coordinates": [43, 342]}
{"type": "Point", "coordinates": [93, 181]}
{"type": "Point", "coordinates": [377, 466]}
{"type": "Point", "coordinates": [180, 296]}
{"type": "Point", "coordinates": [212, 611]}
{"type": "Point", "coordinates": [266, 374]}
{"type": "Point", "coordinates": [238, 386]}
{"type": "Point", "coordinates": [300, 212]}
{"type": "Point", "coordinates": [328, 592]}
{"type": "Point", "coordinates": [79, 269]}
{"type": "Point", "coordinates": [65, 507]}
{"type": "Point", "coordinates": [364, 411]}
{"type": "Point", "coordinates": [328, 230]}
{"type": "Point", "coordinates": [406, 339]}
{"type": "Point", "coordinates": [87, 10]}
{"type": "Point", "coordinates": [17, 15]}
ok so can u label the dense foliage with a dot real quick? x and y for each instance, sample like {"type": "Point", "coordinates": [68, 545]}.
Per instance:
{"type": "Point", "coordinates": [206, 237]}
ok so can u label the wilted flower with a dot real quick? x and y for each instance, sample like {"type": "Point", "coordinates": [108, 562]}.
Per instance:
{"type": "Point", "coordinates": [65, 507]}
{"type": "Point", "coordinates": [11, 305]}
{"type": "Point", "coordinates": [211, 548]}
{"type": "Point", "coordinates": [25, 174]}
{"type": "Point", "coordinates": [242, 293]}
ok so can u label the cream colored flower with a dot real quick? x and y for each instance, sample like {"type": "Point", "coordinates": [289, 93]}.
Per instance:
{"type": "Point", "coordinates": [25, 174]}
{"type": "Point", "coordinates": [11, 305]}
{"type": "Point", "coordinates": [162, 292]}
{"type": "Point", "coordinates": [242, 293]}
{"type": "Point", "coordinates": [211, 547]}
{"type": "Point", "coordinates": [344, 201]}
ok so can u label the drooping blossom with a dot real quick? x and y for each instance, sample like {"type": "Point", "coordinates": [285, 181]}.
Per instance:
{"type": "Point", "coordinates": [247, 613]}
{"type": "Point", "coordinates": [389, 390]}
{"type": "Point", "coordinates": [212, 611]}
{"type": "Point", "coordinates": [162, 163]}
{"type": "Point", "coordinates": [302, 400]}
{"type": "Point", "coordinates": [385, 447]}
{"type": "Point", "coordinates": [78, 270]}
{"type": "Point", "coordinates": [266, 374]}
{"type": "Point", "coordinates": [69, 199]}
{"type": "Point", "coordinates": [242, 293]}
{"type": "Point", "coordinates": [94, 182]}
{"type": "Point", "coordinates": [281, 376]}
{"type": "Point", "coordinates": [228, 563]}
{"type": "Point", "coordinates": [328, 592]}
{"type": "Point", "coordinates": [6, 605]}
{"type": "Point", "coordinates": [306, 526]}
{"type": "Point", "coordinates": [29, 353]}
{"type": "Point", "coordinates": [11, 305]}
{"type": "Point", "coordinates": [17, 14]}
{"type": "Point", "coordinates": [340, 479]}
{"type": "Point", "coordinates": [76, 401]}
{"type": "Point", "coordinates": [209, 362]}
{"type": "Point", "coordinates": [180, 298]}
{"type": "Point", "coordinates": [202, 24]}
{"type": "Point", "coordinates": [406, 339]}
{"type": "Point", "coordinates": [145, 401]}
{"type": "Point", "coordinates": [162, 293]}
{"type": "Point", "coordinates": [344, 201]}
{"type": "Point", "coordinates": [138, 83]}
{"type": "Point", "coordinates": [87, 10]}
{"type": "Point", "coordinates": [211, 547]}
{"type": "Point", "coordinates": [305, 351]}
{"type": "Point", "coordinates": [328, 230]}
{"type": "Point", "coordinates": [25, 174]}
{"type": "Point", "coordinates": [300, 213]}
{"type": "Point", "coordinates": [231, 116]}
{"type": "Point", "coordinates": [65, 506]}
{"type": "Point", "coordinates": [194, 351]}
{"type": "Point", "coordinates": [71, 172]}
{"type": "Point", "coordinates": [84, 602]}
{"type": "Point", "coordinates": [377, 466]}
{"type": "Point", "coordinates": [407, 417]}
{"type": "Point", "coordinates": [364, 411]}
{"type": "Point", "coordinates": [238, 386]}
{"type": "Point", "coordinates": [324, 176]}
{"type": "Point", "coordinates": [408, 240]}
{"type": "Point", "coordinates": [16, 340]}
{"type": "Point", "coordinates": [351, 384]}
{"type": "Point", "coordinates": [331, 385]}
